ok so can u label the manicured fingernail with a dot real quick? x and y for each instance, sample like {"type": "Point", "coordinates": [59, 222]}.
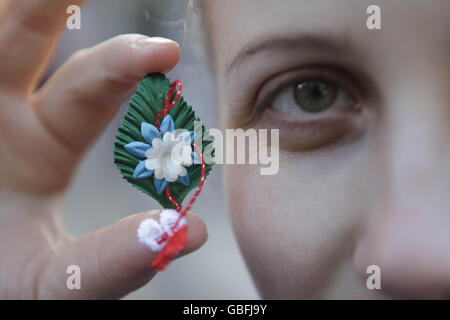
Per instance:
{"type": "Point", "coordinates": [155, 41]}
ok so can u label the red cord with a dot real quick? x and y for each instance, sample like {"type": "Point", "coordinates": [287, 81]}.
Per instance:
{"type": "Point", "coordinates": [197, 192]}
{"type": "Point", "coordinates": [177, 240]}
{"type": "Point", "coordinates": [167, 104]}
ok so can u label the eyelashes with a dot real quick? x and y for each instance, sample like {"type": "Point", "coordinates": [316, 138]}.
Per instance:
{"type": "Point", "coordinates": [313, 107]}
{"type": "Point", "coordinates": [285, 92]}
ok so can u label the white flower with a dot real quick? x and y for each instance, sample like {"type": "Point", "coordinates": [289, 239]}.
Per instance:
{"type": "Point", "coordinates": [168, 157]}
{"type": "Point", "coordinates": [166, 153]}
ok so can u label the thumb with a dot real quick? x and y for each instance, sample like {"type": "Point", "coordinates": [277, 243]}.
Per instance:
{"type": "Point", "coordinates": [112, 262]}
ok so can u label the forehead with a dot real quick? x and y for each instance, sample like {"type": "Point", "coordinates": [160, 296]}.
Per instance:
{"type": "Point", "coordinates": [236, 26]}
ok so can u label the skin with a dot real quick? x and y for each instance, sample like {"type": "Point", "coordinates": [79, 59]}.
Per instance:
{"type": "Point", "coordinates": [355, 188]}
{"type": "Point", "coordinates": [43, 135]}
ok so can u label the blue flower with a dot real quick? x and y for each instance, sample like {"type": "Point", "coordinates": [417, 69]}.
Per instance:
{"type": "Point", "coordinates": [157, 154]}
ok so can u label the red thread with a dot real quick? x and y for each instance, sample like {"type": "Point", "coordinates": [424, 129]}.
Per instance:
{"type": "Point", "coordinates": [167, 104]}
{"type": "Point", "coordinates": [177, 241]}
{"type": "Point", "coordinates": [173, 246]}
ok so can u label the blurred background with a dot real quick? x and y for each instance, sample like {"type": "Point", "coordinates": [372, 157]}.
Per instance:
{"type": "Point", "coordinates": [99, 196]}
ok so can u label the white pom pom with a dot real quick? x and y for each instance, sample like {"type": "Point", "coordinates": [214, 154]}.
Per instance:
{"type": "Point", "coordinates": [149, 232]}
{"type": "Point", "coordinates": [168, 218]}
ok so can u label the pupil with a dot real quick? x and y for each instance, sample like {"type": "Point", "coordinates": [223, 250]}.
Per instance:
{"type": "Point", "coordinates": [316, 90]}
{"type": "Point", "coordinates": [315, 95]}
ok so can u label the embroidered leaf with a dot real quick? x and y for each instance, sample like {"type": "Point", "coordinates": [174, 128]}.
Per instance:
{"type": "Point", "coordinates": [145, 104]}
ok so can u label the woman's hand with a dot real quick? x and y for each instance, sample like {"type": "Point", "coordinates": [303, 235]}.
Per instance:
{"type": "Point", "coordinates": [43, 135]}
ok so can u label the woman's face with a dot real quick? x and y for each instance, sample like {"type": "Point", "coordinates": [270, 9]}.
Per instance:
{"type": "Point", "coordinates": [364, 126]}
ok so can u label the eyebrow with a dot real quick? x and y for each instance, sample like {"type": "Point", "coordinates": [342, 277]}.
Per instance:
{"type": "Point", "coordinates": [307, 42]}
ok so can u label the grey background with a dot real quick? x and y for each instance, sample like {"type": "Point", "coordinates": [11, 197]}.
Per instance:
{"type": "Point", "coordinates": [99, 196]}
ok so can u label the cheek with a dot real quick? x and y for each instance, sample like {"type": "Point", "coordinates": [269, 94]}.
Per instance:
{"type": "Point", "coordinates": [293, 228]}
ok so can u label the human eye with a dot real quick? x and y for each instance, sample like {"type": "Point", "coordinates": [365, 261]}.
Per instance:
{"type": "Point", "coordinates": [313, 107]}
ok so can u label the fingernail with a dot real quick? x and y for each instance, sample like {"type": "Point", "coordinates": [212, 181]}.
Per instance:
{"type": "Point", "coordinates": [155, 41]}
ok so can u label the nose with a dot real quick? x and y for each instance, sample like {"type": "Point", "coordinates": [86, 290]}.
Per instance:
{"type": "Point", "coordinates": [407, 233]}
{"type": "Point", "coordinates": [412, 252]}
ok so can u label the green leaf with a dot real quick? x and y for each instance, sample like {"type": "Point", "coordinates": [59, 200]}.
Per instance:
{"type": "Point", "coordinates": [146, 103]}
